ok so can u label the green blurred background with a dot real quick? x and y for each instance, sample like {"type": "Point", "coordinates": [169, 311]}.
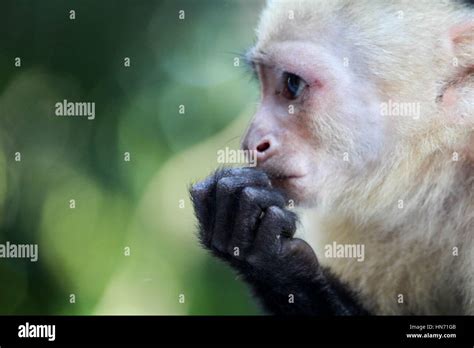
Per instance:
{"type": "Point", "coordinates": [141, 204]}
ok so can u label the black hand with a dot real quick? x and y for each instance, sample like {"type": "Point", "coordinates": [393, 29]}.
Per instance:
{"type": "Point", "coordinates": [243, 221]}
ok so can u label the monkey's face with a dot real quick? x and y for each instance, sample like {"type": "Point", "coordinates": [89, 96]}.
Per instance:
{"type": "Point", "coordinates": [316, 121]}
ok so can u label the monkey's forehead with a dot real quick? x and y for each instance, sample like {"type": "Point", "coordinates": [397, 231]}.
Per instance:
{"type": "Point", "coordinates": [317, 19]}
{"type": "Point", "coordinates": [284, 20]}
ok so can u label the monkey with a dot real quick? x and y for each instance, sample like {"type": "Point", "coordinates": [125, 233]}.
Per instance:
{"type": "Point", "coordinates": [366, 123]}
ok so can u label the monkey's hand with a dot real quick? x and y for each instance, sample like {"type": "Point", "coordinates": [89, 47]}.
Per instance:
{"type": "Point", "coordinates": [243, 221]}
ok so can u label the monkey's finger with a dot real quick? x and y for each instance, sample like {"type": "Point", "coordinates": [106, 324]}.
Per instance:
{"type": "Point", "coordinates": [255, 177]}
{"type": "Point", "coordinates": [202, 196]}
{"type": "Point", "coordinates": [228, 189]}
{"type": "Point", "coordinates": [298, 249]}
{"type": "Point", "coordinates": [203, 193]}
{"type": "Point", "coordinates": [252, 202]}
{"type": "Point", "coordinates": [277, 223]}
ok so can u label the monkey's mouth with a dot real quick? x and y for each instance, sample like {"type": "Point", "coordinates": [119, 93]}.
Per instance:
{"type": "Point", "coordinates": [291, 186]}
{"type": "Point", "coordinates": [280, 180]}
{"type": "Point", "coordinates": [285, 177]}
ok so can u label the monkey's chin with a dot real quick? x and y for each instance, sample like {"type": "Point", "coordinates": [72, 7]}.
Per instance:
{"type": "Point", "coordinates": [295, 188]}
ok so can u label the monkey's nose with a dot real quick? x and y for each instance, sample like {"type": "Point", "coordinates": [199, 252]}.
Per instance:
{"type": "Point", "coordinates": [264, 149]}
{"type": "Point", "coordinates": [263, 146]}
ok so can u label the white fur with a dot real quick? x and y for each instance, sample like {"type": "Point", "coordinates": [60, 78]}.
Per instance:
{"type": "Point", "coordinates": [409, 250]}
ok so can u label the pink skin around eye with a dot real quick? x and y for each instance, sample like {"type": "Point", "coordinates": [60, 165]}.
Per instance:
{"type": "Point", "coordinates": [303, 59]}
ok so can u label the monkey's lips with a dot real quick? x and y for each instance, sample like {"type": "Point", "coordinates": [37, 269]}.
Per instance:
{"type": "Point", "coordinates": [285, 177]}
{"type": "Point", "coordinates": [285, 181]}
{"type": "Point", "coordinates": [293, 184]}
{"type": "Point", "coordinates": [289, 178]}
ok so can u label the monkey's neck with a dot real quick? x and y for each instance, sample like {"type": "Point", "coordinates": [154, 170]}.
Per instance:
{"type": "Point", "coordinates": [425, 183]}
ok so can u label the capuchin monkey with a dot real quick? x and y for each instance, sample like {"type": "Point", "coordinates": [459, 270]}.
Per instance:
{"type": "Point", "coordinates": [365, 123]}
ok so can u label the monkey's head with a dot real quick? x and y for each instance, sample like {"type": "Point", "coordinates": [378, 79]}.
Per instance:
{"type": "Point", "coordinates": [327, 69]}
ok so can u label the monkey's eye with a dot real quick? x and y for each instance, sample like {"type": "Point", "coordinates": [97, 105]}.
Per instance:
{"type": "Point", "coordinates": [293, 86]}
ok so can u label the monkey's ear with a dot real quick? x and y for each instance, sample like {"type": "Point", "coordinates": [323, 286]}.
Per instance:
{"type": "Point", "coordinates": [462, 31]}
{"type": "Point", "coordinates": [461, 41]}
